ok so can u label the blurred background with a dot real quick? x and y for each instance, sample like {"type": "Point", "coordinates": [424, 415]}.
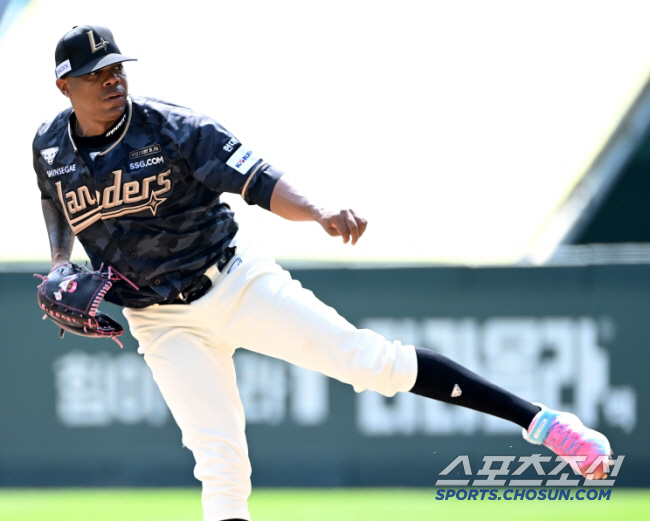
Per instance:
{"type": "Point", "coordinates": [499, 151]}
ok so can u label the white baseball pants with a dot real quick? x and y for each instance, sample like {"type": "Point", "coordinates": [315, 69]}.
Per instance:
{"type": "Point", "coordinates": [257, 305]}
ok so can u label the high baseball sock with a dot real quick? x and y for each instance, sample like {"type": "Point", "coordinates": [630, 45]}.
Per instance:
{"type": "Point", "coordinates": [443, 379]}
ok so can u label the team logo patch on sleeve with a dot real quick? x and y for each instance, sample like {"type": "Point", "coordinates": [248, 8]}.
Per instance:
{"type": "Point", "coordinates": [49, 154]}
{"type": "Point", "coordinates": [242, 160]}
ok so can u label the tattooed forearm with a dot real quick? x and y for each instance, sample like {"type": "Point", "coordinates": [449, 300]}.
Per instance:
{"type": "Point", "coordinates": [59, 233]}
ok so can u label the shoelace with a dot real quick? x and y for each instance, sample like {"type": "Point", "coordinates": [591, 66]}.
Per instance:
{"type": "Point", "coordinates": [562, 439]}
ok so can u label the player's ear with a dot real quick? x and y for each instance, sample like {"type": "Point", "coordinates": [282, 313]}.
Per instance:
{"type": "Point", "coordinates": [62, 85]}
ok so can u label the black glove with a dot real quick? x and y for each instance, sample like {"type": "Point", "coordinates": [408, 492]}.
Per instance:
{"type": "Point", "coordinates": [70, 296]}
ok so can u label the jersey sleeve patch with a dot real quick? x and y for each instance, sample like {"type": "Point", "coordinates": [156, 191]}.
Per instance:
{"type": "Point", "coordinates": [242, 160]}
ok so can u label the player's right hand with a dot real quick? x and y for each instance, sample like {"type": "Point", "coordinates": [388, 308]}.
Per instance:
{"type": "Point", "coordinates": [344, 223]}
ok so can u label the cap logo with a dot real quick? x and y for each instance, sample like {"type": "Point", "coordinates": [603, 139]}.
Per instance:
{"type": "Point", "coordinates": [64, 68]}
{"type": "Point", "coordinates": [94, 47]}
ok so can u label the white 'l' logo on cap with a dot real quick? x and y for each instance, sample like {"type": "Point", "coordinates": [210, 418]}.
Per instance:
{"type": "Point", "coordinates": [94, 47]}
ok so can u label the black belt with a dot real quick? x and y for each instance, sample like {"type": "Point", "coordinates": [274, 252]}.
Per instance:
{"type": "Point", "coordinates": [200, 286]}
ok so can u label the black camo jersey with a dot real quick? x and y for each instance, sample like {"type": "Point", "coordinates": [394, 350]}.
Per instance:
{"type": "Point", "coordinates": [150, 207]}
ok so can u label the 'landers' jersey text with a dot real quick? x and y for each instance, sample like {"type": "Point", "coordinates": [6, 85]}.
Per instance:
{"type": "Point", "coordinates": [84, 208]}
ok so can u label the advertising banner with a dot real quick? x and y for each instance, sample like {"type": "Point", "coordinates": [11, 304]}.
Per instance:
{"type": "Point", "coordinates": [84, 412]}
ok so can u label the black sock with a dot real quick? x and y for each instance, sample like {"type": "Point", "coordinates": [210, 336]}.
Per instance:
{"type": "Point", "coordinates": [440, 378]}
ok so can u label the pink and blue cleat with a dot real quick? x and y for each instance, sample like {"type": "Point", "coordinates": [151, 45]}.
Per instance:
{"type": "Point", "coordinates": [567, 437]}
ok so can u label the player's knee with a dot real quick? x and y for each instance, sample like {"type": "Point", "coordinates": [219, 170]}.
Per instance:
{"type": "Point", "coordinates": [381, 366]}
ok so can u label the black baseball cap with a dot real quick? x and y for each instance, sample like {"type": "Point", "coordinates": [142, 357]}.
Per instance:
{"type": "Point", "coordinates": [86, 48]}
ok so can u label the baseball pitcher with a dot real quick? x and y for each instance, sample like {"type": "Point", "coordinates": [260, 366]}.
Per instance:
{"type": "Point", "coordinates": [139, 181]}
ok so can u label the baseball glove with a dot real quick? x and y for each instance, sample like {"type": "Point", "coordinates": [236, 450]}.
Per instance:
{"type": "Point", "coordinates": [70, 296]}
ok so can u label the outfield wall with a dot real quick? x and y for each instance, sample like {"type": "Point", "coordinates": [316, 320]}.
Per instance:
{"type": "Point", "coordinates": [83, 412]}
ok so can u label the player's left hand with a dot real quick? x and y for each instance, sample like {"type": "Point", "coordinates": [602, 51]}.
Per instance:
{"type": "Point", "coordinates": [344, 223]}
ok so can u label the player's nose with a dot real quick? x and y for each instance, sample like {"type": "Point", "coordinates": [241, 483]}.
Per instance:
{"type": "Point", "coordinates": [111, 78]}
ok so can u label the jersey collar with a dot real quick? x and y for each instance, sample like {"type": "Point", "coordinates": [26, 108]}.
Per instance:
{"type": "Point", "coordinates": [112, 143]}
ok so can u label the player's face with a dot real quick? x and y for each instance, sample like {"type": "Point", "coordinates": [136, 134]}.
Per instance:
{"type": "Point", "coordinates": [100, 95]}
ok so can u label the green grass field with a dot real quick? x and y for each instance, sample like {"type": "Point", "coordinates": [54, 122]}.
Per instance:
{"type": "Point", "coordinates": [306, 504]}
